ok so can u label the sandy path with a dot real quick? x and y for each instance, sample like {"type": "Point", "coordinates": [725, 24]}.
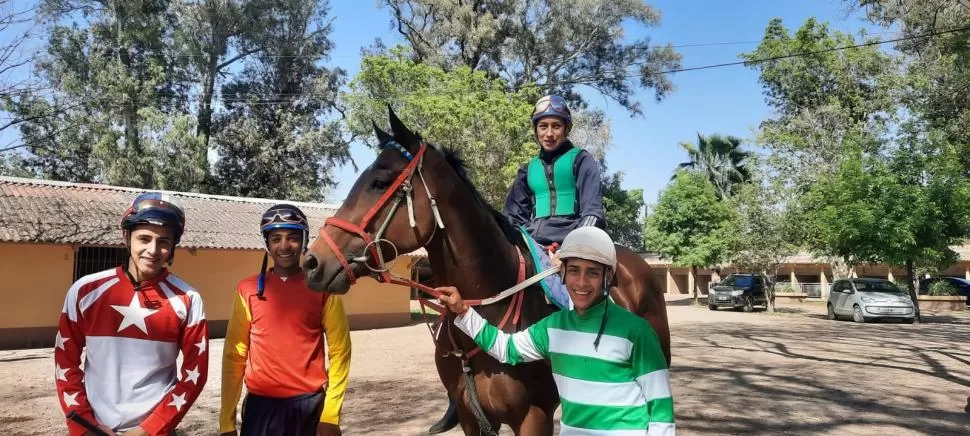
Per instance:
{"type": "Point", "coordinates": [733, 373]}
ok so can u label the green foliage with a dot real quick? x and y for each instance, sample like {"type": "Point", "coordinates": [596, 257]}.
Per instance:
{"type": "Point", "coordinates": [764, 240]}
{"type": "Point", "coordinates": [462, 109]}
{"type": "Point", "coordinates": [936, 77]}
{"type": "Point", "coordinates": [943, 289]}
{"type": "Point", "coordinates": [557, 45]}
{"type": "Point", "coordinates": [122, 77]}
{"type": "Point", "coordinates": [277, 138]}
{"type": "Point", "coordinates": [721, 160]}
{"type": "Point", "coordinates": [623, 208]}
{"type": "Point", "coordinates": [689, 225]}
{"type": "Point", "coordinates": [825, 103]}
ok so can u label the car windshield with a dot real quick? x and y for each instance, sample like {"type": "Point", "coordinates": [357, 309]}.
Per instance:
{"type": "Point", "coordinates": [738, 280]}
{"type": "Point", "coordinates": [880, 286]}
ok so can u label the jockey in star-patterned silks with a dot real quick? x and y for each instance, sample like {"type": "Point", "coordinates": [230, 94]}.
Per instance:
{"type": "Point", "coordinates": [131, 323]}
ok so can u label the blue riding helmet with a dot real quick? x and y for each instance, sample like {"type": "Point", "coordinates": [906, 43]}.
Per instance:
{"type": "Point", "coordinates": [285, 216]}
{"type": "Point", "coordinates": [281, 216]}
{"type": "Point", "coordinates": [552, 105]}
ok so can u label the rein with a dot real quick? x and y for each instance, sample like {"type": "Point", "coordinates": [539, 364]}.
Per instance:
{"type": "Point", "coordinates": [402, 190]}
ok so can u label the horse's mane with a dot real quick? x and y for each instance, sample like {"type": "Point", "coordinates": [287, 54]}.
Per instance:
{"type": "Point", "coordinates": [508, 229]}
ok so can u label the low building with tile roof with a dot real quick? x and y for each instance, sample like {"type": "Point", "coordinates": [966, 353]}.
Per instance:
{"type": "Point", "coordinates": [52, 233]}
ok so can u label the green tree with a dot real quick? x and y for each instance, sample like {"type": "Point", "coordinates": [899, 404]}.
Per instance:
{"type": "Point", "coordinates": [111, 74]}
{"type": "Point", "coordinates": [461, 109]}
{"type": "Point", "coordinates": [904, 210]}
{"type": "Point", "coordinates": [936, 81]}
{"type": "Point", "coordinates": [556, 45]}
{"type": "Point", "coordinates": [279, 136]}
{"type": "Point", "coordinates": [690, 226]}
{"type": "Point", "coordinates": [764, 239]}
{"type": "Point", "coordinates": [206, 35]}
{"type": "Point", "coordinates": [721, 160]}
{"type": "Point", "coordinates": [623, 212]}
{"type": "Point", "coordinates": [825, 102]}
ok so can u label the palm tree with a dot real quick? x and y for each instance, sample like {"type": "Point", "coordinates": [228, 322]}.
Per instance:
{"type": "Point", "coordinates": [720, 159]}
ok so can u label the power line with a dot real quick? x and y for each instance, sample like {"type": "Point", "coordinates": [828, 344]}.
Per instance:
{"type": "Point", "coordinates": [712, 66]}
{"type": "Point", "coordinates": [305, 98]}
{"type": "Point", "coordinates": [812, 53]}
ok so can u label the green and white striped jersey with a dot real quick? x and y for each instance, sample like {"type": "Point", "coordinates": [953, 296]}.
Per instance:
{"type": "Point", "coordinates": [620, 388]}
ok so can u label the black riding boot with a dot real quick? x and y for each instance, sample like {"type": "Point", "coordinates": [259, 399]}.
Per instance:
{"type": "Point", "coordinates": [447, 422]}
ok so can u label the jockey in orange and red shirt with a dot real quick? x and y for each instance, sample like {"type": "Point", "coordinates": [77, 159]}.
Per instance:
{"type": "Point", "coordinates": [275, 343]}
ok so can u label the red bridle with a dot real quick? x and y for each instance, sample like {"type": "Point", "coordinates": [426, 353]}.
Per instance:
{"type": "Point", "coordinates": [403, 180]}
{"type": "Point", "coordinates": [402, 185]}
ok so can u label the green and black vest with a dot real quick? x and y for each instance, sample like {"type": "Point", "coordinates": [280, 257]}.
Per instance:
{"type": "Point", "coordinates": [554, 185]}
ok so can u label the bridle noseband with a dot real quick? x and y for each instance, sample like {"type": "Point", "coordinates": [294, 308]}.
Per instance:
{"type": "Point", "coordinates": [402, 190]}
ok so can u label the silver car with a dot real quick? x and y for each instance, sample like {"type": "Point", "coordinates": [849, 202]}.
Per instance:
{"type": "Point", "coordinates": [868, 299]}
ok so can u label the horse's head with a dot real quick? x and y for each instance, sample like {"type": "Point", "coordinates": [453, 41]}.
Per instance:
{"type": "Point", "coordinates": [388, 212]}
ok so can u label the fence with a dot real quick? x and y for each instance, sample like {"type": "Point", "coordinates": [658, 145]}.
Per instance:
{"type": "Point", "coordinates": [811, 290]}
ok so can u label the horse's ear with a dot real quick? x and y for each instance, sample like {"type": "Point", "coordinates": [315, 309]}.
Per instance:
{"type": "Point", "coordinates": [382, 136]}
{"type": "Point", "coordinates": [403, 135]}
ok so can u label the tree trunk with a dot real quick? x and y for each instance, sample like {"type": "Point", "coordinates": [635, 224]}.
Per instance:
{"type": "Point", "coordinates": [840, 269]}
{"type": "Point", "coordinates": [693, 275]}
{"type": "Point", "coordinates": [912, 288]}
{"type": "Point", "coordinates": [133, 150]}
{"type": "Point", "coordinates": [769, 291]}
{"type": "Point", "coordinates": [204, 123]}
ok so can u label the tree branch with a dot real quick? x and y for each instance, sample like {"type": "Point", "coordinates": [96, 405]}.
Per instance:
{"type": "Point", "coordinates": [237, 57]}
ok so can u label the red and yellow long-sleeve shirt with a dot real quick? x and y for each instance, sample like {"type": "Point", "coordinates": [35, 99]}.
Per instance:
{"type": "Point", "coordinates": [275, 345]}
{"type": "Point", "coordinates": [131, 339]}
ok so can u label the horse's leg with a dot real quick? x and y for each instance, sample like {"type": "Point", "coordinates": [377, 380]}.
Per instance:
{"type": "Point", "coordinates": [468, 421]}
{"type": "Point", "coordinates": [537, 422]}
{"type": "Point", "coordinates": [639, 291]}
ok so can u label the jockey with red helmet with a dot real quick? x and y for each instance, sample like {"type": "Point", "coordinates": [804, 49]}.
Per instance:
{"type": "Point", "coordinates": [130, 323]}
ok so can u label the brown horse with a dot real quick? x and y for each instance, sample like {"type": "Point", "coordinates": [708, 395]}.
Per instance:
{"type": "Point", "coordinates": [393, 208]}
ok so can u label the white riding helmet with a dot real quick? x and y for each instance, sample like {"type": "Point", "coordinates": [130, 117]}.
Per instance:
{"type": "Point", "coordinates": [589, 243]}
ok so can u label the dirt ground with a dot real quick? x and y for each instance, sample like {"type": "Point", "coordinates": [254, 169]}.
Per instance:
{"type": "Point", "coordinates": [733, 373]}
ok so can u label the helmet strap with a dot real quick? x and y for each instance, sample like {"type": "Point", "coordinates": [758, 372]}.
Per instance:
{"type": "Point", "coordinates": [261, 281]}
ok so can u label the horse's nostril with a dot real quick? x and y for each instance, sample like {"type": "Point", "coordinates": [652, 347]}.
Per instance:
{"type": "Point", "coordinates": [310, 263]}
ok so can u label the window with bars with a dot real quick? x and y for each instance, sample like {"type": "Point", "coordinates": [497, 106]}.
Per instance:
{"type": "Point", "coordinates": [89, 260]}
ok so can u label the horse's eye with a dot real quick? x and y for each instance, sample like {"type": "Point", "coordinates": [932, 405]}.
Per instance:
{"type": "Point", "coordinates": [380, 184]}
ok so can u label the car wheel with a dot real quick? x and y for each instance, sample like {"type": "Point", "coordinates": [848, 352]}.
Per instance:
{"type": "Point", "coordinates": [831, 312]}
{"type": "Point", "coordinates": [712, 307]}
{"type": "Point", "coordinates": [857, 315]}
{"type": "Point", "coordinates": [748, 306]}
{"type": "Point", "coordinates": [909, 320]}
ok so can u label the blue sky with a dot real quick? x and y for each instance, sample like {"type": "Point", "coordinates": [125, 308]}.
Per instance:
{"type": "Point", "coordinates": [724, 100]}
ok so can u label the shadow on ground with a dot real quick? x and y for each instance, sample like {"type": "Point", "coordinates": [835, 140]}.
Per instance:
{"type": "Point", "coordinates": [804, 375]}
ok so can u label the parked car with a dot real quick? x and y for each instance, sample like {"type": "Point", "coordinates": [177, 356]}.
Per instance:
{"type": "Point", "coordinates": [961, 285]}
{"type": "Point", "coordinates": [738, 291]}
{"type": "Point", "coordinates": [868, 299]}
